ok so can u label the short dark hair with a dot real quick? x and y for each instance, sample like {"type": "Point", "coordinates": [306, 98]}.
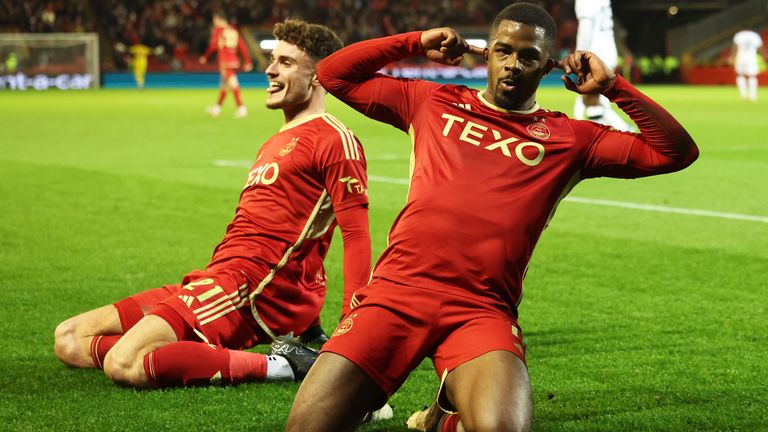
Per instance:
{"type": "Point", "coordinates": [316, 40]}
{"type": "Point", "coordinates": [528, 13]}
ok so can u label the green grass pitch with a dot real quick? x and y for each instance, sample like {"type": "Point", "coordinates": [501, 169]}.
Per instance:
{"type": "Point", "coordinates": [635, 319]}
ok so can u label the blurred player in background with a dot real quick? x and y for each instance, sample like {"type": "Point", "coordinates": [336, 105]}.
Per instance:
{"type": "Point", "coordinates": [488, 170]}
{"type": "Point", "coordinates": [226, 41]}
{"type": "Point", "coordinates": [747, 44]}
{"type": "Point", "coordinates": [595, 34]}
{"type": "Point", "coordinates": [266, 278]}
{"type": "Point", "coordinates": [139, 58]}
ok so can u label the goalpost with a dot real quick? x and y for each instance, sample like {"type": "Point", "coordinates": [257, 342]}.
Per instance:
{"type": "Point", "coordinates": [42, 61]}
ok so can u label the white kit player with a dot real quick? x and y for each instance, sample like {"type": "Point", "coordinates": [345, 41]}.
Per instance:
{"type": "Point", "coordinates": [746, 45]}
{"type": "Point", "coordinates": [595, 34]}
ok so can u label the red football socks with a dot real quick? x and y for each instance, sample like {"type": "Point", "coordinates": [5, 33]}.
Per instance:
{"type": "Point", "coordinates": [450, 423]}
{"type": "Point", "coordinates": [100, 346]}
{"type": "Point", "coordinates": [222, 96]}
{"type": "Point", "coordinates": [195, 363]}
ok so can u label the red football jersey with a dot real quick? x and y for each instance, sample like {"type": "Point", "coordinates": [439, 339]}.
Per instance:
{"type": "Point", "coordinates": [284, 221]}
{"type": "Point", "coordinates": [485, 181]}
{"type": "Point", "coordinates": [226, 41]}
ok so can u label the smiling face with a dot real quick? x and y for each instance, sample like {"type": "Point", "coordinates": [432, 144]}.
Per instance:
{"type": "Point", "coordinates": [291, 74]}
{"type": "Point", "coordinates": [518, 58]}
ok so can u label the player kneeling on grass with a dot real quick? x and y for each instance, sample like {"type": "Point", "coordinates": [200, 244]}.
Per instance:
{"type": "Point", "coordinates": [489, 169]}
{"type": "Point", "coordinates": [266, 277]}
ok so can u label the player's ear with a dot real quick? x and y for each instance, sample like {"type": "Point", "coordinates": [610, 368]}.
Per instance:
{"type": "Point", "coordinates": [315, 81]}
{"type": "Point", "coordinates": [485, 54]}
{"type": "Point", "coordinates": [549, 66]}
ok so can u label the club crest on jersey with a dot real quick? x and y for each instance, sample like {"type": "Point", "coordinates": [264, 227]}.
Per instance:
{"type": "Point", "coordinates": [345, 326]}
{"type": "Point", "coordinates": [539, 130]}
{"type": "Point", "coordinates": [288, 147]}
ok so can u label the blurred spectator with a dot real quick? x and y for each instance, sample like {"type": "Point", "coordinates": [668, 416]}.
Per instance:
{"type": "Point", "coordinates": [181, 26]}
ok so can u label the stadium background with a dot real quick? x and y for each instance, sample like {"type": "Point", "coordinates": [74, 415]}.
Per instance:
{"type": "Point", "coordinates": [645, 304]}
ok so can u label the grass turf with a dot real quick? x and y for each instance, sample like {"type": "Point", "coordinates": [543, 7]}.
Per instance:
{"type": "Point", "coordinates": [634, 320]}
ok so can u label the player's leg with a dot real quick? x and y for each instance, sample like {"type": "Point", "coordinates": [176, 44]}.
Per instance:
{"type": "Point", "coordinates": [491, 393]}
{"type": "Point", "coordinates": [196, 336]}
{"type": "Point", "coordinates": [752, 86]}
{"type": "Point", "coordinates": [84, 340]}
{"type": "Point", "coordinates": [215, 110]}
{"type": "Point", "coordinates": [234, 84]}
{"type": "Point", "coordinates": [578, 108]}
{"type": "Point", "coordinates": [73, 338]}
{"type": "Point", "coordinates": [140, 72]}
{"type": "Point", "coordinates": [335, 396]}
{"type": "Point", "coordinates": [124, 363]}
{"type": "Point", "coordinates": [482, 359]}
{"type": "Point", "coordinates": [741, 80]}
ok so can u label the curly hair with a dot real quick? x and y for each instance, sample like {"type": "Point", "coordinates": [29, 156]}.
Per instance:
{"type": "Point", "coordinates": [316, 40]}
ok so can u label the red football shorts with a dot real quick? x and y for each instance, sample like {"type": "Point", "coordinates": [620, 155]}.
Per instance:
{"type": "Point", "coordinates": [211, 307]}
{"type": "Point", "coordinates": [227, 73]}
{"type": "Point", "coordinates": [395, 327]}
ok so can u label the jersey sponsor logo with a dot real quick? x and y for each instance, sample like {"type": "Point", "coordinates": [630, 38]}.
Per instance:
{"type": "Point", "coordinates": [528, 152]}
{"type": "Point", "coordinates": [345, 326]}
{"type": "Point", "coordinates": [264, 174]}
{"type": "Point", "coordinates": [288, 147]}
{"type": "Point", "coordinates": [353, 185]}
{"type": "Point", "coordinates": [539, 130]}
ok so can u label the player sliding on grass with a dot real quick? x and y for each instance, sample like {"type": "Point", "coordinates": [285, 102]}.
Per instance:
{"type": "Point", "coordinates": [489, 168]}
{"type": "Point", "coordinates": [226, 41]}
{"type": "Point", "coordinates": [266, 277]}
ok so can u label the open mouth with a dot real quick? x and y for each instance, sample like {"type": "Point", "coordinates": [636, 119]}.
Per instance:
{"type": "Point", "coordinates": [507, 85]}
{"type": "Point", "coordinates": [274, 87]}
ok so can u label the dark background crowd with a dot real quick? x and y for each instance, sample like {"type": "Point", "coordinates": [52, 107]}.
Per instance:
{"type": "Point", "coordinates": [182, 27]}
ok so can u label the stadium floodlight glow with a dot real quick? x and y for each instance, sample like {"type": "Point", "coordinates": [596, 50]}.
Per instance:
{"type": "Point", "coordinates": [268, 44]}
{"type": "Point", "coordinates": [480, 43]}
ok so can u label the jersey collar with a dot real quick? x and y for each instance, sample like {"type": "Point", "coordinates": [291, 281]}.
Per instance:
{"type": "Point", "coordinates": [532, 110]}
{"type": "Point", "coordinates": [300, 121]}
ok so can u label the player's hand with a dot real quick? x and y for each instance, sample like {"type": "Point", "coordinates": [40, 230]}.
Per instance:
{"type": "Point", "coordinates": [202, 60]}
{"type": "Point", "coordinates": [446, 46]}
{"type": "Point", "coordinates": [248, 67]}
{"type": "Point", "coordinates": [593, 75]}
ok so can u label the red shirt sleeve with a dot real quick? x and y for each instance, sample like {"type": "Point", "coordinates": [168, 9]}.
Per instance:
{"type": "Point", "coordinates": [351, 74]}
{"type": "Point", "coordinates": [342, 163]}
{"type": "Point", "coordinates": [353, 222]}
{"type": "Point", "coordinates": [662, 146]}
{"type": "Point", "coordinates": [213, 45]}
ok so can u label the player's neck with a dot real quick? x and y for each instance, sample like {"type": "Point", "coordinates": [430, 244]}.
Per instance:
{"type": "Point", "coordinates": [315, 105]}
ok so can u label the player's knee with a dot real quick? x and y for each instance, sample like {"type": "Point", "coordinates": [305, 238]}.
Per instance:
{"type": "Point", "coordinates": [509, 421]}
{"type": "Point", "coordinates": [124, 369]}
{"type": "Point", "coordinates": [66, 345]}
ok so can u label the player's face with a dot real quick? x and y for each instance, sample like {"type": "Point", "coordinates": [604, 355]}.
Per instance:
{"type": "Point", "coordinates": [518, 58]}
{"type": "Point", "coordinates": [291, 74]}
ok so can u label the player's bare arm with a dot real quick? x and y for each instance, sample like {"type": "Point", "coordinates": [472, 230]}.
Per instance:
{"type": "Point", "coordinates": [446, 46]}
{"type": "Point", "coordinates": [593, 75]}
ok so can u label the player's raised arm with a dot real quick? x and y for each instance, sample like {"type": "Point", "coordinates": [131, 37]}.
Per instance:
{"type": "Point", "coordinates": [351, 74]}
{"type": "Point", "coordinates": [663, 144]}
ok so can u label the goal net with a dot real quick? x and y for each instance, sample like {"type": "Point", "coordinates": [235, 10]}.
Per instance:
{"type": "Point", "coordinates": [41, 61]}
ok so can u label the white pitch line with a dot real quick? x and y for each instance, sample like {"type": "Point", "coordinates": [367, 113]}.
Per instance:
{"type": "Point", "coordinates": [665, 209]}
{"type": "Point", "coordinates": [232, 163]}
{"type": "Point", "coordinates": [579, 200]}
